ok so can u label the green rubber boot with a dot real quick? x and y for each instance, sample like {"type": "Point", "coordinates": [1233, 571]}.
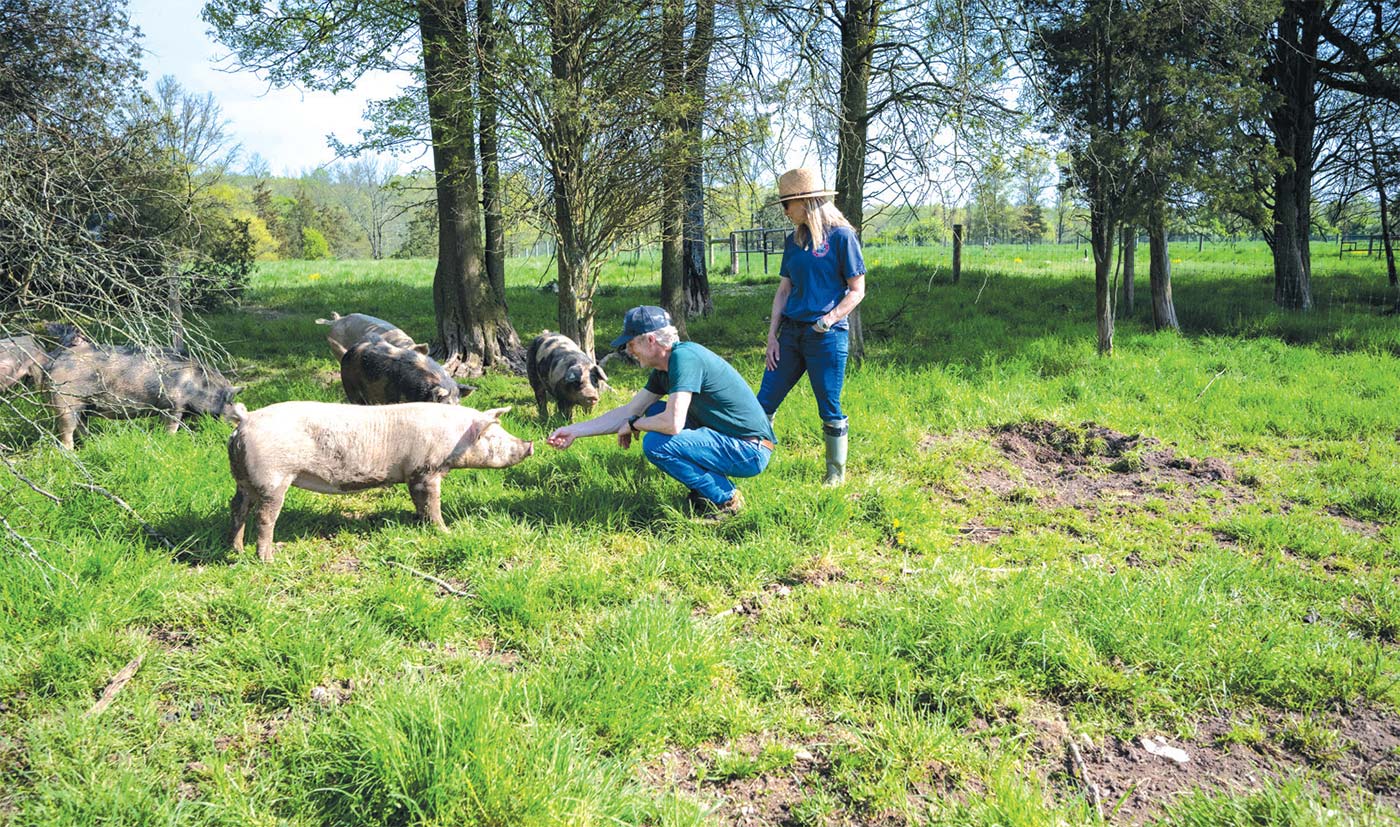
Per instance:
{"type": "Point", "coordinates": [834, 435]}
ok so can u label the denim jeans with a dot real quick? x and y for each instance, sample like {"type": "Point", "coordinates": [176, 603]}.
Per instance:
{"type": "Point", "coordinates": [703, 459]}
{"type": "Point", "coordinates": [822, 356]}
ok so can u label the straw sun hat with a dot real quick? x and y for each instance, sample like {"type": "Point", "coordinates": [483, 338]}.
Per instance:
{"type": "Point", "coordinates": [801, 183]}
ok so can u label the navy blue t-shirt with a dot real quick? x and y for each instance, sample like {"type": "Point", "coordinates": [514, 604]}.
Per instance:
{"type": "Point", "coordinates": [819, 276]}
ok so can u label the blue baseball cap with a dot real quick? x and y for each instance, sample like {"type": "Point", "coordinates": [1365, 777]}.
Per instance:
{"type": "Point", "coordinates": [641, 320]}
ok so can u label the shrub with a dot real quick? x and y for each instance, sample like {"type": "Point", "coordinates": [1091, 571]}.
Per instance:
{"type": "Point", "coordinates": [314, 244]}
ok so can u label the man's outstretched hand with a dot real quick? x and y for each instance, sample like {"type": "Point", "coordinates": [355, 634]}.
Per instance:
{"type": "Point", "coordinates": [561, 438]}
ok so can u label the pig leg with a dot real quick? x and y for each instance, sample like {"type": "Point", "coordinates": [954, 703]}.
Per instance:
{"type": "Point", "coordinates": [427, 500]}
{"type": "Point", "coordinates": [69, 416]}
{"type": "Point", "coordinates": [172, 421]}
{"type": "Point", "coordinates": [239, 508]}
{"type": "Point", "coordinates": [269, 507]}
{"type": "Point", "coordinates": [542, 402]}
{"type": "Point", "coordinates": [566, 410]}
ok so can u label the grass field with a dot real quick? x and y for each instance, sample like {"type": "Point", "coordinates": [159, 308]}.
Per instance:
{"type": "Point", "coordinates": [1016, 587]}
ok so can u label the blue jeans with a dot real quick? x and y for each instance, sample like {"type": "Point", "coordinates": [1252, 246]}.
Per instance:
{"type": "Point", "coordinates": [822, 356]}
{"type": "Point", "coordinates": [703, 459]}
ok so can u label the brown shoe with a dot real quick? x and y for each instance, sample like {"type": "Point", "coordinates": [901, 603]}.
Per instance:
{"type": "Point", "coordinates": [718, 512]}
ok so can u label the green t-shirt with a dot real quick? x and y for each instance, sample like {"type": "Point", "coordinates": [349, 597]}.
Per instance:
{"type": "Point", "coordinates": [720, 398]}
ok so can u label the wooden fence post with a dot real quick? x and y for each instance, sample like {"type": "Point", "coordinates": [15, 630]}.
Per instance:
{"type": "Point", "coordinates": [733, 254]}
{"type": "Point", "coordinates": [957, 252]}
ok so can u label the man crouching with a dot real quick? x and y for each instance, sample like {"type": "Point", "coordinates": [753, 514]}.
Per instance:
{"type": "Point", "coordinates": [710, 428]}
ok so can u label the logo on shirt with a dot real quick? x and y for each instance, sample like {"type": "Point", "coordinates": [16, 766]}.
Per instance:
{"type": "Point", "coordinates": [822, 250]}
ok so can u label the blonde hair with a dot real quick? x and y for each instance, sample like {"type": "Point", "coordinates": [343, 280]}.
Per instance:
{"type": "Point", "coordinates": [820, 218]}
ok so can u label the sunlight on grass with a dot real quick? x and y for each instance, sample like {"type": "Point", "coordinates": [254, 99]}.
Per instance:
{"type": "Point", "coordinates": [914, 647]}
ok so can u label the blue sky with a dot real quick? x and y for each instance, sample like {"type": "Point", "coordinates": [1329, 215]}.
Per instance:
{"type": "Point", "coordinates": [287, 127]}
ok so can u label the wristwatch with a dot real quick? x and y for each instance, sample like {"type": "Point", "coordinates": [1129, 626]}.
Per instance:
{"type": "Point", "coordinates": [632, 423]}
{"type": "Point", "coordinates": [821, 326]}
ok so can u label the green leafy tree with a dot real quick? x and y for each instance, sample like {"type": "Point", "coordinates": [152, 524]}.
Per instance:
{"type": "Point", "coordinates": [1351, 46]}
{"type": "Point", "coordinates": [342, 40]}
{"type": "Point", "coordinates": [585, 97]}
{"type": "Point", "coordinates": [1088, 83]}
{"type": "Point", "coordinates": [313, 244]}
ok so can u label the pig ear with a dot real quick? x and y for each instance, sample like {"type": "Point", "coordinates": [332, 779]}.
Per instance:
{"type": "Point", "coordinates": [233, 390]}
{"type": "Point", "coordinates": [337, 348]}
{"type": "Point", "coordinates": [440, 392]}
{"type": "Point", "coordinates": [495, 413]}
{"type": "Point", "coordinates": [423, 349]}
{"type": "Point", "coordinates": [466, 390]}
{"type": "Point", "coordinates": [599, 377]}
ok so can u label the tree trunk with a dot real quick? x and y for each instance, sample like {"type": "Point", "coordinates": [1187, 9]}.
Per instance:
{"type": "Point", "coordinates": [575, 263]}
{"type": "Point", "coordinates": [695, 274]}
{"type": "Point", "coordinates": [474, 330]}
{"type": "Point", "coordinates": [694, 252]}
{"type": "Point", "coordinates": [675, 162]}
{"type": "Point", "coordinates": [1294, 121]}
{"type": "Point", "coordinates": [1101, 232]}
{"type": "Point", "coordinates": [487, 24]}
{"type": "Point", "coordinates": [1129, 266]}
{"type": "Point", "coordinates": [859, 25]}
{"type": "Point", "coordinates": [1379, 175]}
{"type": "Point", "coordinates": [575, 284]}
{"type": "Point", "coordinates": [1160, 268]}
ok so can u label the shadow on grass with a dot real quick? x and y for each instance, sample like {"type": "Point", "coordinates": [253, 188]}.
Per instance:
{"type": "Point", "coordinates": [912, 314]}
{"type": "Point", "coordinates": [202, 538]}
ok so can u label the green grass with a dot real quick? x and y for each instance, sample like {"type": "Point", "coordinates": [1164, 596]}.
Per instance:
{"type": "Point", "coordinates": [331, 687]}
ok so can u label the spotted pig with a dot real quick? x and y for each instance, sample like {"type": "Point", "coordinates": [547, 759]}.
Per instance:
{"type": "Point", "coordinates": [375, 372]}
{"type": "Point", "coordinates": [126, 381]}
{"type": "Point", "coordinates": [559, 369]}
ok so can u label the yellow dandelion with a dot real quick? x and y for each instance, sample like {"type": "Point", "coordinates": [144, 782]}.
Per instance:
{"type": "Point", "coordinates": [899, 538]}
{"type": "Point", "coordinates": [1017, 260]}
{"type": "Point", "coordinates": [1176, 261]}
{"type": "Point", "coordinates": [895, 524]}
{"type": "Point", "coordinates": [314, 277]}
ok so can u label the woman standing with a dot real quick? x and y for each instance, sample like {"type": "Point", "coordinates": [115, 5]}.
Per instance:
{"type": "Point", "coordinates": [822, 279]}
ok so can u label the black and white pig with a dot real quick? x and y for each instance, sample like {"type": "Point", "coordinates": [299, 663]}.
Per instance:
{"type": "Point", "coordinates": [339, 449]}
{"type": "Point", "coordinates": [559, 369]}
{"type": "Point", "coordinates": [124, 382]}
{"type": "Point", "coordinates": [375, 372]}
{"type": "Point", "coordinates": [348, 331]}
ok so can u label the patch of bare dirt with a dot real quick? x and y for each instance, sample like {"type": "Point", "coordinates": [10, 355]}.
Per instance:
{"type": "Point", "coordinates": [758, 800]}
{"type": "Point", "coordinates": [763, 799]}
{"type": "Point", "coordinates": [260, 732]}
{"type": "Point", "coordinates": [348, 564]}
{"type": "Point", "coordinates": [487, 649]}
{"type": "Point", "coordinates": [981, 534]}
{"type": "Point", "coordinates": [819, 571]}
{"type": "Point", "coordinates": [173, 640]}
{"type": "Point", "coordinates": [769, 798]}
{"type": "Point", "coordinates": [333, 694]}
{"type": "Point", "coordinates": [1080, 465]}
{"type": "Point", "coordinates": [1140, 779]}
{"type": "Point", "coordinates": [1365, 528]}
